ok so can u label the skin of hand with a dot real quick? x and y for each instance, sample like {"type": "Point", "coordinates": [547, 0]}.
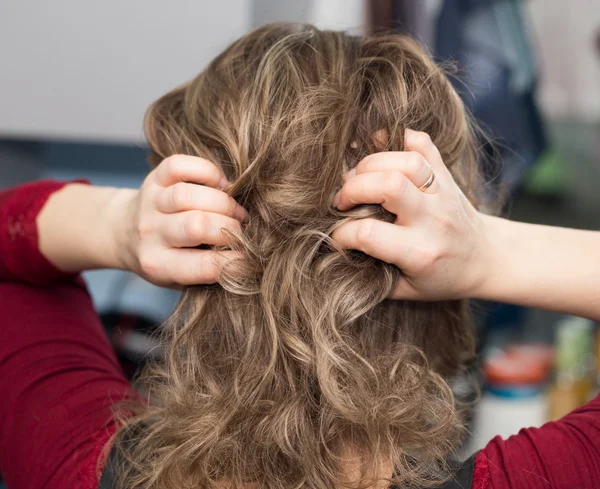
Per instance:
{"type": "Point", "coordinates": [446, 249]}
{"type": "Point", "coordinates": [439, 240]}
{"type": "Point", "coordinates": [180, 206]}
{"type": "Point", "coordinates": [153, 231]}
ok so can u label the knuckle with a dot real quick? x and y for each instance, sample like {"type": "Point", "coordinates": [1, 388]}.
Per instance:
{"type": "Point", "coordinates": [147, 262]}
{"type": "Point", "coordinates": [367, 163]}
{"type": "Point", "coordinates": [421, 138]}
{"type": "Point", "coordinates": [365, 233]}
{"type": "Point", "coordinates": [144, 227]}
{"type": "Point", "coordinates": [171, 164]}
{"type": "Point", "coordinates": [415, 163]}
{"type": "Point", "coordinates": [393, 184]}
{"type": "Point", "coordinates": [425, 258]}
{"type": "Point", "coordinates": [194, 225]}
{"type": "Point", "coordinates": [180, 195]}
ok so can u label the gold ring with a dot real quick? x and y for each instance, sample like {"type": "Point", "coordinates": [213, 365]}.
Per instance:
{"type": "Point", "coordinates": [428, 183]}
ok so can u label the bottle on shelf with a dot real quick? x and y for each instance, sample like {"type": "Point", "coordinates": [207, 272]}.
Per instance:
{"type": "Point", "coordinates": [574, 376]}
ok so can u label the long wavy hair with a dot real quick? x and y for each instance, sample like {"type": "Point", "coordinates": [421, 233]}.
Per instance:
{"type": "Point", "coordinates": [295, 371]}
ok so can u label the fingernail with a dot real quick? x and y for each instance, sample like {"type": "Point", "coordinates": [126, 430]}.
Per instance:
{"type": "Point", "coordinates": [240, 213]}
{"type": "Point", "coordinates": [336, 200]}
{"type": "Point", "coordinates": [350, 174]}
{"type": "Point", "coordinates": [223, 183]}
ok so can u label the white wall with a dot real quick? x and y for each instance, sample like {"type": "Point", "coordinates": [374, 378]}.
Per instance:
{"type": "Point", "coordinates": [347, 15]}
{"type": "Point", "coordinates": [325, 14]}
{"type": "Point", "coordinates": [81, 69]}
{"type": "Point", "coordinates": [87, 70]}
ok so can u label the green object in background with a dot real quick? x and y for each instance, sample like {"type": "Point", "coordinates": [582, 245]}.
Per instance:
{"type": "Point", "coordinates": [574, 348]}
{"type": "Point", "coordinates": [547, 176]}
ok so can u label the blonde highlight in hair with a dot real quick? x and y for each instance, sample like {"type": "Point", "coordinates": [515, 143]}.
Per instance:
{"type": "Point", "coordinates": [296, 363]}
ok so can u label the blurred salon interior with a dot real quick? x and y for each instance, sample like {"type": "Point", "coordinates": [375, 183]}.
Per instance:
{"type": "Point", "coordinates": [76, 78]}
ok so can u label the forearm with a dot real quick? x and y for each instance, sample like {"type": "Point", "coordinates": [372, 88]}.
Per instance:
{"type": "Point", "coordinates": [78, 227]}
{"type": "Point", "coordinates": [543, 267]}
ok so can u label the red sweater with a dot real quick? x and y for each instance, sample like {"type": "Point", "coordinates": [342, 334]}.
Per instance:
{"type": "Point", "coordinates": [59, 378]}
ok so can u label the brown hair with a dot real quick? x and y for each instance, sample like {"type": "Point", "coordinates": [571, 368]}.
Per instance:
{"type": "Point", "coordinates": [295, 363]}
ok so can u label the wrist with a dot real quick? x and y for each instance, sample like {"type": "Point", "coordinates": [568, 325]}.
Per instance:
{"type": "Point", "coordinates": [76, 228]}
{"type": "Point", "coordinates": [119, 219]}
{"type": "Point", "coordinates": [492, 263]}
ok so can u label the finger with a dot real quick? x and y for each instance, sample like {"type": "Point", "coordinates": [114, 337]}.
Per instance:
{"type": "Point", "coordinates": [392, 190]}
{"type": "Point", "coordinates": [405, 291]}
{"type": "Point", "coordinates": [384, 241]}
{"type": "Point", "coordinates": [188, 197]}
{"type": "Point", "coordinates": [184, 168]}
{"type": "Point", "coordinates": [421, 143]}
{"type": "Point", "coordinates": [194, 228]}
{"type": "Point", "coordinates": [194, 267]}
{"type": "Point", "coordinates": [412, 165]}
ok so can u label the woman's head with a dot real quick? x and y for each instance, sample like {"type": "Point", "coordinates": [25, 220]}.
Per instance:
{"type": "Point", "coordinates": [295, 363]}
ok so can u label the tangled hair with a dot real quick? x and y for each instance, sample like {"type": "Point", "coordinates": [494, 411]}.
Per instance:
{"type": "Point", "coordinates": [294, 371]}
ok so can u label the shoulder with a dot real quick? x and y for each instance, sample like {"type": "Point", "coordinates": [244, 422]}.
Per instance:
{"type": "Point", "coordinates": [481, 472]}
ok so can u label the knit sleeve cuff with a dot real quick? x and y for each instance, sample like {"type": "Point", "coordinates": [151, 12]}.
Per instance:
{"type": "Point", "coordinates": [20, 256]}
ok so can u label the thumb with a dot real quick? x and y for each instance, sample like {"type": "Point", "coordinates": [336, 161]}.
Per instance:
{"type": "Point", "coordinates": [405, 291]}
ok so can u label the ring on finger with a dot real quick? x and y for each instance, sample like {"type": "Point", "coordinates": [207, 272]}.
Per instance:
{"type": "Point", "coordinates": [429, 182]}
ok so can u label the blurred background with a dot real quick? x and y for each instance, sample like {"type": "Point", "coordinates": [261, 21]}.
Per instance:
{"type": "Point", "coordinates": [76, 78]}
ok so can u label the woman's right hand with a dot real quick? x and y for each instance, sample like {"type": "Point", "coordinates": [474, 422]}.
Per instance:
{"type": "Point", "coordinates": [180, 206]}
{"type": "Point", "coordinates": [438, 240]}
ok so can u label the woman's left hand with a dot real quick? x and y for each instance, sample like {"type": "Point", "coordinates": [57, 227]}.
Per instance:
{"type": "Point", "coordinates": [438, 240]}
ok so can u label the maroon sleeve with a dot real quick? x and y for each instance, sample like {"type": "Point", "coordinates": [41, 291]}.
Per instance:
{"type": "Point", "coordinates": [20, 259]}
{"type": "Point", "coordinates": [59, 379]}
{"type": "Point", "coordinates": [564, 454]}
